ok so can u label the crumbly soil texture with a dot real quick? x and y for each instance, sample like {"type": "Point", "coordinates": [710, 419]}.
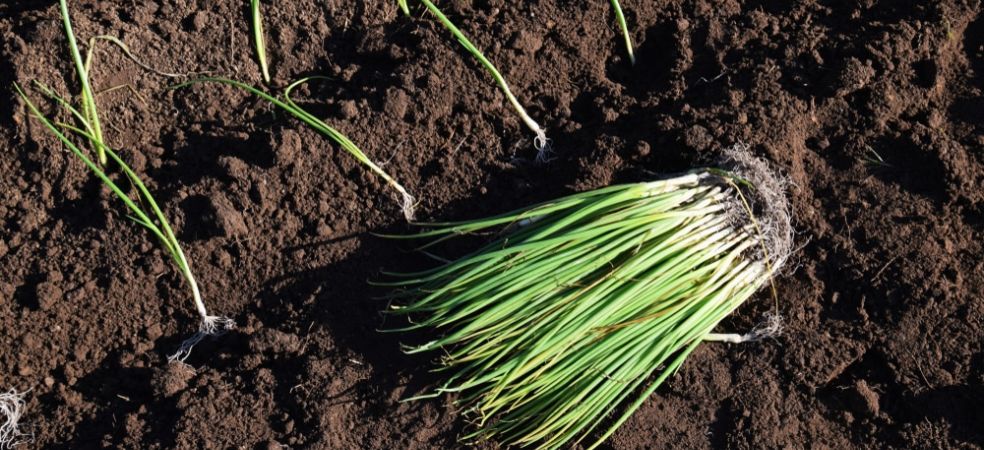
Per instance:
{"type": "Point", "coordinates": [873, 108]}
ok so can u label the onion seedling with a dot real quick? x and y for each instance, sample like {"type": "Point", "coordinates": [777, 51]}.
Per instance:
{"type": "Point", "coordinates": [586, 304]}
{"type": "Point", "coordinates": [11, 408]}
{"type": "Point", "coordinates": [288, 105]}
{"type": "Point", "coordinates": [540, 141]}
{"type": "Point", "coordinates": [258, 38]}
{"type": "Point", "coordinates": [147, 213]}
{"type": "Point", "coordinates": [620, 17]}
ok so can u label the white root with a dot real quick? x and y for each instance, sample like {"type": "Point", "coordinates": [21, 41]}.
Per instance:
{"type": "Point", "coordinates": [542, 144]}
{"type": "Point", "coordinates": [408, 205]}
{"type": "Point", "coordinates": [773, 218]}
{"type": "Point", "coordinates": [210, 326]}
{"type": "Point", "coordinates": [11, 408]}
{"type": "Point", "coordinates": [763, 211]}
{"type": "Point", "coordinates": [770, 327]}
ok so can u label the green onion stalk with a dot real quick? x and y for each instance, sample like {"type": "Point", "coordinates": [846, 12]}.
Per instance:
{"type": "Point", "coordinates": [89, 112]}
{"type": "Point", "coordinates": [257, 22]}
{"type": "Point", "coordinates": [407, 203]}
{"type": "Point", "coordinates": [540, 141]}
{"type": "Point", "coordinates": [620, 18]}
{"type": "Point", "coordinates": [582, 306]}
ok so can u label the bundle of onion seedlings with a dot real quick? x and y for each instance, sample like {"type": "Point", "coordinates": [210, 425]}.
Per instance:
{"type": "Point", "coordinates": [143, 210]}
{"type": "Point", "coordinates": [11, 408]}
{"type": "Point", "coordinates": [540, 141]}
{"type": "Point", "coordinates": [582, 306]}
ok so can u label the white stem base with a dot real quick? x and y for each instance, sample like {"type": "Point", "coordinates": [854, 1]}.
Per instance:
{"type": "Point", "coordinates": [771, 326]}
{"type": "Point", "coordinates": [730, 338]}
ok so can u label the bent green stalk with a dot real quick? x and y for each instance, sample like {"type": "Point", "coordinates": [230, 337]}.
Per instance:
{"type": "Point", "coordinates": [582, 306]}
{"type": "Point", "coordinates": [287, 104]}
{"type": "Point", "coordinates": [150, 216]}
{"type": "Point", "coordinates": [258, 38]}
{"type": "Point", "coordinates": [540, 140]}
{"type": "Point", "coordinates": [126, 52]}
{"type": "Point", "coordinates": [620, 17]}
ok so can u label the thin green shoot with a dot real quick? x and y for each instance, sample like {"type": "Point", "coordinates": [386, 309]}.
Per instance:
{"type": "Point", "coordinates": [581, 307]}
{"type": "Point", "coordinates": [89, 111]}
{"type": "Point", "coordinates": [620, 17]}
{"type": "Point", "coordinates": [873, 159]}
{"type": "Point", "coordinates": [129, 54]}
{"type": "Point", "coordinates": [258, 39]}
{"type": "Point", "coordinates": [408, 202]}
{"type": "Point", "coordinates": [540, 141]}
{"type": "Point", "coordinates": [144, 212]}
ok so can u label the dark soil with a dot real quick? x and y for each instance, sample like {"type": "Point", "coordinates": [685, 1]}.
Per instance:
{"type": "Point", "coordinates": [875, 109]}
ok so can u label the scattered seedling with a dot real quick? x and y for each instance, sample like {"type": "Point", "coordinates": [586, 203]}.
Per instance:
{"type": "Point", "coordinates": [258, 38]}
{"type": "Point", "coordinates": [620, 17]}
{"type": "Point", "coordinates": [288, 105]}
{"type": "Point", "coordinates": [11, 408]}
{"type": "Point", "coordinates": [872, 159]}
{"type": "Point", "coordinates": [147, 213]}
{"type": "Point", "coordinates": [579, 302]}
{"type": "Point", "coordinates": [540, 141]}
{"type": "Point", "coordinates": [144, 210]}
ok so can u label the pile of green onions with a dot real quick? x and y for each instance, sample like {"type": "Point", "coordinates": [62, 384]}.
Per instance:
{"type": "Point", "coordinates": [582, 306]}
